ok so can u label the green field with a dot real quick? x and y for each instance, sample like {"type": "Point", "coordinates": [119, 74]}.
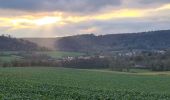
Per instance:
{"type": "Point", "coordinates": [61, 54]}
{"type": "Point", "coordinates": [7, 56]}
{"type": "Point", "coordinates": [74, 84]}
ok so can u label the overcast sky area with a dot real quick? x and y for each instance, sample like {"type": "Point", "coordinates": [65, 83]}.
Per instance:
{"type": "Point", "coordinates": [53, 18]}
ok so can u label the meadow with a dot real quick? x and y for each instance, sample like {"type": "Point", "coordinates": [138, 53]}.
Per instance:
{"type": "Point", "coordinates": [47, 83]}
{"type": "Point", "coordinates": [7, 56]}
{"type": "Point", "coordinates": [60, 54]}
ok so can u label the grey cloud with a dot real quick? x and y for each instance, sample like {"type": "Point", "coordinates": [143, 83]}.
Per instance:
{"type": "Point", "coordinates": [154, 1]}
{"type": "Point", "coordinates": [76, 6]}
{"type": "Point", "coordinates": [151, 3]}
{"type": "Point", "coordinates": [58, 5]}
{"type": "Point", "coordinates": [123, 25]}
{"type": "Point", "coordinates": [144, 3]}
{"type": "Point", "coordinates": [131, 25]}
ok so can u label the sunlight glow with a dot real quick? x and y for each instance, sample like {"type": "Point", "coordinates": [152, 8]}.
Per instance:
{"type": "Point", "coordinates": [126, 13]}
{"type": "Point", "coordinates": [164, 7]}
{"type": "Point", "coordinates": [47, 20]}
{"type": "Point", "coordinates": [58, 19]}
{"type": "Point", "coordinates": [39, 22]}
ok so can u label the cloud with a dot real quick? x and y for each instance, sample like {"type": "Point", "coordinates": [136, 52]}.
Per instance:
{"type": "Point", "coordinates": [97, 27]}
{"type": "Point", "coordinates": [77, 6]}
{"type": "Point", "coordinates": [58, 5]}
{"type": "Point", "coordinates": [153, 1]}
{"type": "Point", "coordinates": [143, 4]}
{"type": "Point", "coordinates": [47, 18]}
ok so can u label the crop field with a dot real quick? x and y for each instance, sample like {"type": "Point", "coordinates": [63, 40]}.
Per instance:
{"type": "Point", "coordinates": [73, 84]}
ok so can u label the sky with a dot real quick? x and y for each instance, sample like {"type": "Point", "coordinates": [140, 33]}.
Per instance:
{"type": "Point", "coordinates": [55, 18]}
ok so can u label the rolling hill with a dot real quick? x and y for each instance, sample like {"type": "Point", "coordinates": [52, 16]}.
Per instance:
{"type": "Point", "coordinates": [152, 40]}
{"type": "Point", "coordinates": [13, 44]}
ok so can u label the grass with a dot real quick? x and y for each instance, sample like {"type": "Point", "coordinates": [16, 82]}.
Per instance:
{"type": "Point", "coordinates": [9, 56]}
{"type": "Point", "coordinates": [74, 84]}
{"type": "Point", "coordinates": [61, 54]}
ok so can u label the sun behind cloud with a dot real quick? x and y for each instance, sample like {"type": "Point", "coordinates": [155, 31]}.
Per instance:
{"type": "Point", "coordinates": [47, 20]}
{"type": "Point", "coordinates": [21, 22]}
{"type": "Point", "coordinates": [108, 20]}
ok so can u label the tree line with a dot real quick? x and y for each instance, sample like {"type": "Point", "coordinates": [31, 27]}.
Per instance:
{"type": "Point", "coordinates": [145, 60]}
